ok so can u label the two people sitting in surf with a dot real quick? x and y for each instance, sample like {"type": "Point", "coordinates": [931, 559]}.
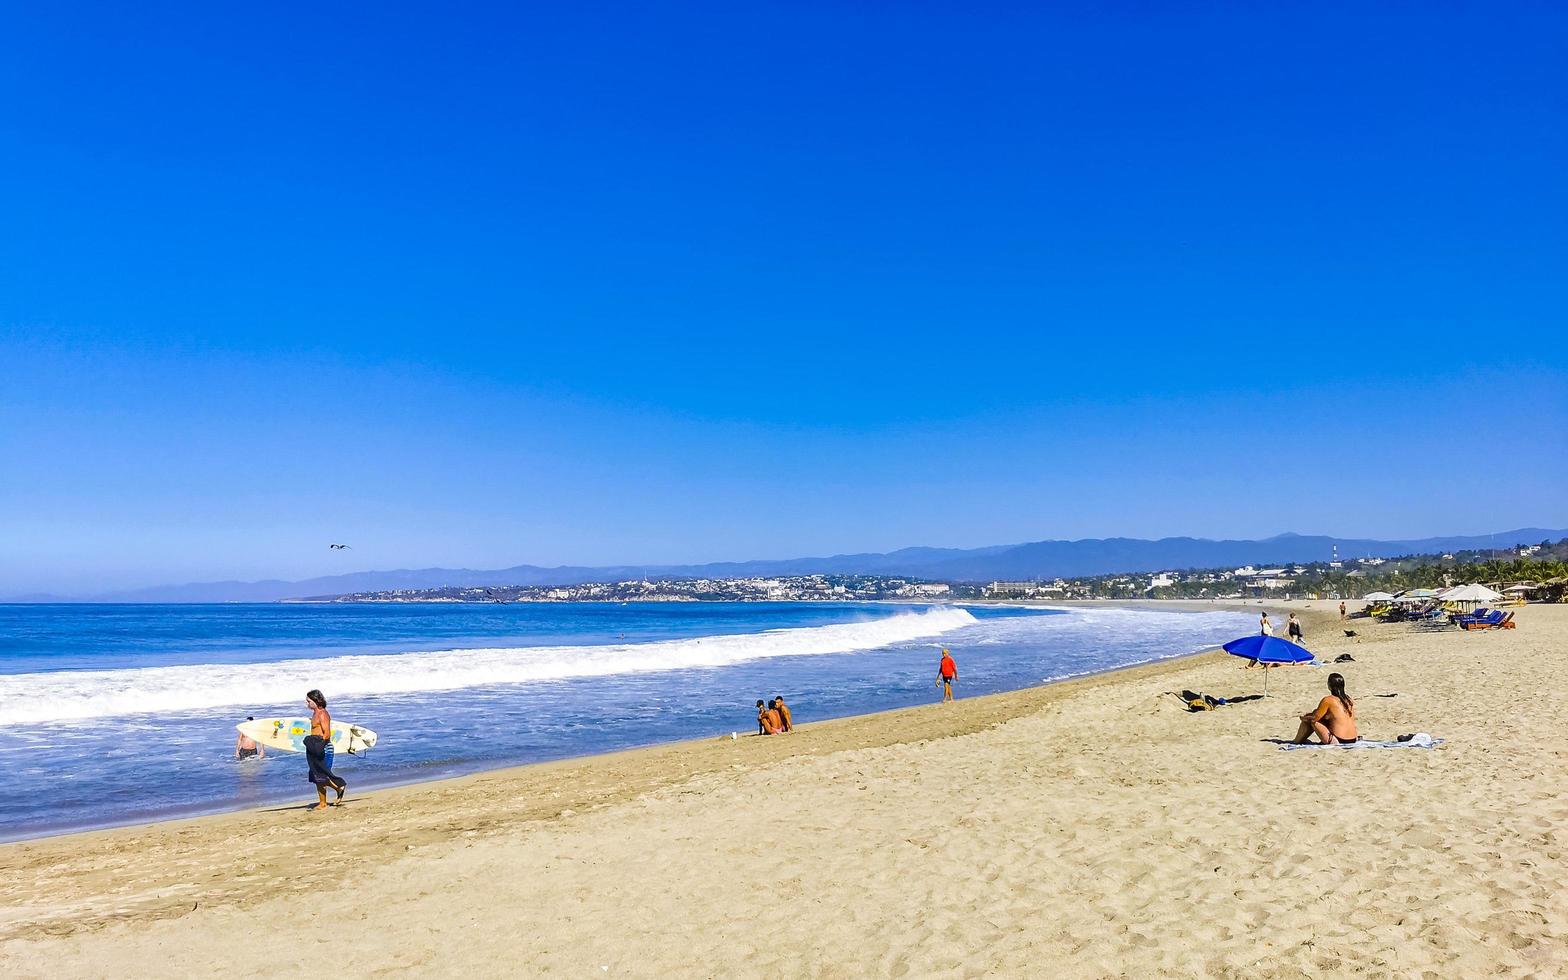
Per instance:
{"type": "Point", "coordinates": [773, 717]}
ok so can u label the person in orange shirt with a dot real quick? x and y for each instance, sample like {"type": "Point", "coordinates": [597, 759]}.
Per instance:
{"type": "Point", "coordinates": [946, 674]}
{"type": "Point", "coordinates": [785, 721]}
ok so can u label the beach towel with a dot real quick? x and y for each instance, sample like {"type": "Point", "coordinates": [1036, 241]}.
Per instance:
{"type": "Point", "coordinates": [1420, 740]}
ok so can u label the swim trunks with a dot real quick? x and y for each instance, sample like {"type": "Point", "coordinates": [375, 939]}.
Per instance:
{"type": "Point", "coordinates": [318, 760]}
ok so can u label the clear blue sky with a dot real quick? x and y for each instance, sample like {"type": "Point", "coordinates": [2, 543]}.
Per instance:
{"type": "Point", "coordinates": [474, 285]}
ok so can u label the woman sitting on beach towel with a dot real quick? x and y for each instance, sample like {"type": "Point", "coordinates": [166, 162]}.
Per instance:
{"type": "Point", "coordinates": [1334, 721]}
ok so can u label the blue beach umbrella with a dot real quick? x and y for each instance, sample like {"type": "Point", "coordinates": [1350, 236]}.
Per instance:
{"type": "Point", "coordinates": [1270, 651]}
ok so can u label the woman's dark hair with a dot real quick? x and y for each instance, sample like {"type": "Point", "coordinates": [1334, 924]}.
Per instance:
{"type": "Point", "coordinates": [759, 703]}
{"type": "Point", "coordinates": [1336, 687]}
{"type": "Point", "coordinates": [321, 699]}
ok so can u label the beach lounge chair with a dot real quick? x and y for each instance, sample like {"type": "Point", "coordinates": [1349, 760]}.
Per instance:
{"type": "Point", "coordinates": [1496, 619]}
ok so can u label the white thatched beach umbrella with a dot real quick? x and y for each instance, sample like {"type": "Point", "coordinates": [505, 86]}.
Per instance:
{"type": "Point", "coordinates": [1471, 594]}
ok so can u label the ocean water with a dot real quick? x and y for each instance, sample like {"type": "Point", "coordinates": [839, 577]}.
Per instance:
{"type": "Point", "coordinates": [119, 714]}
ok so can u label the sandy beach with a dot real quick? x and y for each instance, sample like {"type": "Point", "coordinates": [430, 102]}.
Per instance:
{"type": "Point", "coordinates": [1088, 828]}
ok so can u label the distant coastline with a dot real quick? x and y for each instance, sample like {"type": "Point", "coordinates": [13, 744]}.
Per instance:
{"type": "Point", "coordinates": [794, 588]}
{"type": "Point", "coordinates": [1538, 571]}
{"type": "Point", "coordinates": [1038, 562]}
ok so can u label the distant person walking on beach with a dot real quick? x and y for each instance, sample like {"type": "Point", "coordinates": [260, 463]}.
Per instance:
{"type": "Point", "coordinates": [946, 674]}
{"type": "Point", "coordinates": [785, 721]}
{"type": "Point", "coordinates": [1293, 630]}
{"type": "Point", "coordinates": [318, 750]}
{"type": "Point", "coordinates": [245, 747]}
{"type": "Point", "coordinates": [1264, 626]}
{"type": "Point", "coordinates": [1341, 610]}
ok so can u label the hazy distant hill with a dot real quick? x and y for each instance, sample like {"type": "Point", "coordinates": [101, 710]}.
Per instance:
{"type": "Point", "coordinates": [1040, 559]}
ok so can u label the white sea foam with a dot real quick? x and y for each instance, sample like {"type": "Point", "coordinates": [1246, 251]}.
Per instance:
{"type": "Point", "coordinates": [1178, 631]}
{"type": "Point", "coordinates": [85, 694]}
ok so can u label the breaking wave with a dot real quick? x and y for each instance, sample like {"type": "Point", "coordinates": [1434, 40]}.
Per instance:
{"type": "Point", "coordinates": [76, 695]}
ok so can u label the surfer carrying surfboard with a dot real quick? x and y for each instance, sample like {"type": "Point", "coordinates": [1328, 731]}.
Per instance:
{"type": "Point", "coordinates": [318, 750]}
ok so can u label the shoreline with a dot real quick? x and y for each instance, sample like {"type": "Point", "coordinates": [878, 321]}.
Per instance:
{"type": "Point", "coordinates": [382, 791]}
{"type": "Point", "coordinates": [611, 777]}
{"type": "Point", "coordinates": [197, 811]}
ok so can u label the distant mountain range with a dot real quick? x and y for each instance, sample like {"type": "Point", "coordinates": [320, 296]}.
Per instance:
{"type": "Point", "coordinates": [1037, 560]}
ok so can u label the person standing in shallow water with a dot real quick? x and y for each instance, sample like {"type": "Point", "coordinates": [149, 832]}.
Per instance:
{"type": "Point", "coordinates": [246, 747]}
{"type": "Point", "coordinates": [318, 751]}
{"type": "Point", "coordinates": [946, 674]}
{"type": "Point", "coordinates": [1265, 627]}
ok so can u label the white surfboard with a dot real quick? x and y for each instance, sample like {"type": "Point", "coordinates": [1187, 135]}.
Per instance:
{"type": "Point", "coordinates": [288, 735]}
